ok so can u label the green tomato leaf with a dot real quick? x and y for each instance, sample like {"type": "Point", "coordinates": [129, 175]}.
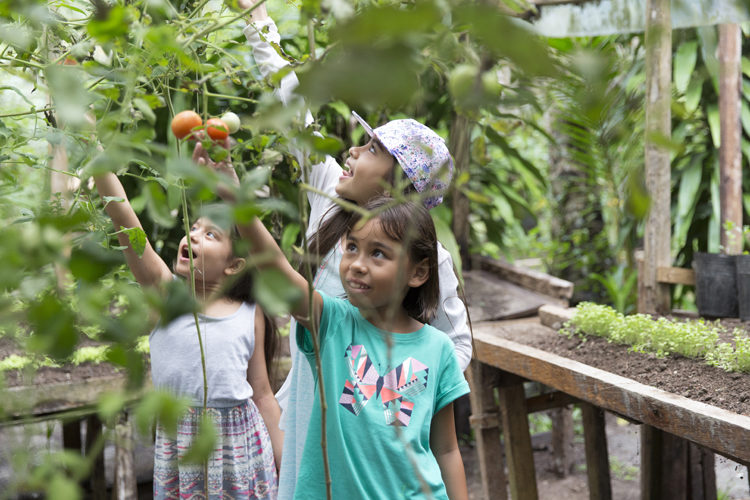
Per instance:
{"type": "Point", "coordinates": [137, 239]}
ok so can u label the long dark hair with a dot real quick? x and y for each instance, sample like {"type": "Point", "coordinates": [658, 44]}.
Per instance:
{"type": "Point", "coordinates": [337, 221]}
{"type": "Point", "coordinates": [410, 224]}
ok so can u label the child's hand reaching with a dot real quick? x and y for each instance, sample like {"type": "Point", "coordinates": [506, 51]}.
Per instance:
{"type": "Point", "coordinates": [201, 157]}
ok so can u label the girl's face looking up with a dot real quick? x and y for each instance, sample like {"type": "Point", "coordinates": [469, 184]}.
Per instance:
{"type": "Point", "coordinates": [370, 168]}
{"type": "Point", "coordinates": [376, 273]}
{"type": "Point", "coordinates": [212, 253]}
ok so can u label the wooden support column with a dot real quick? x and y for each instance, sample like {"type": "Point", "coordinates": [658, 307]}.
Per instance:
{"type": "Point", "coordinates": [485, 420]}
{"type": "Point", "coordinates": [125, 483]}
{"type": "Point", "coordinates": [653, 296]}
{"type": "Point", "coordinates": [597, 457]}
{"type": "Point", "coordinates": [702, 473]}
{"type": "Point", "coordinates": [562, 441]}
{"type": "Point", "coordinates": [98, 481]}
{"type": "Point", "coordinates": [518, 452]}
{"type": "Point", "coordinates": [730, 153]}
{"type": "Point", "coordinates": [71, 434]}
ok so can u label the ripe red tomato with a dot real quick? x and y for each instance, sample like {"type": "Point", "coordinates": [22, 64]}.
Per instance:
{"type": "Point", "coordinates": [185, 122]}
{"type": "Point", "coordinates": [217, 129]}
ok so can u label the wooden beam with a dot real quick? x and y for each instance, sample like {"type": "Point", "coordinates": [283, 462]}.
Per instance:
{"type": "Point", "coordinates": [527, 278]}
{"type": "Point", "coordinates": [549, 401]}
{"type": "Point", "coordinates": [653, 297]}
{"type": "Point", "coordinates": [730, 153]}
{"type": "Point", "coordinates": [720, 430]}
{"type": "Point", "coordinates": [675, 275]}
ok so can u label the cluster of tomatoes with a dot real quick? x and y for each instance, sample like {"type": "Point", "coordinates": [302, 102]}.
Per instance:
{"type": "Point", "coordinates": [186, 123]}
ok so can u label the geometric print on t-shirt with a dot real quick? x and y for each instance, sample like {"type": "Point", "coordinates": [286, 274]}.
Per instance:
{"type": "Point", "coordinates": [394, 389]}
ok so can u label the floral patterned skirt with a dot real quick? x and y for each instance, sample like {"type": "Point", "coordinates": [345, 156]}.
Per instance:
{"type": "Point", "coordinates": [240, 467]}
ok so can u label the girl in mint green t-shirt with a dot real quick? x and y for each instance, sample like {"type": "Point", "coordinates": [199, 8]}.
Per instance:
{"type": "Point", "coordinates": [389, 379]}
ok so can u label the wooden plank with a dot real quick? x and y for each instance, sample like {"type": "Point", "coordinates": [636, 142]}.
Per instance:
{"type": "Point", "coordinates": [71, 430]}
{"type": "Point", "coordinates": [483, 379]}
{"type": "Point", "coordinates": [654, 296]}
{"type": "Point", "coordinates": [730, 153]}
{"type": "Point", "coordinates": [518, 452]}
{"type": "Point", "coordinates": [555, 316]}
{"type": "Point", "coordinates": [597, 457]}
{"type": "Point", "coordinates": [490, 297]}
{"type": "Point", "coordinates": [527, 278]}
{"type": "Point", "coordinates": [675, 275]}
{"type": "Point", "coordinates": [722, 431]}
{"type": "Point", "coordinates": [51, 398]}
{"type": "Point", "coordinates": [549, 401]}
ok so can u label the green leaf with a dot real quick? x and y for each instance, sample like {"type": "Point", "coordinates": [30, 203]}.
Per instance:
{"type": "Point", "coordinates": [110, 404]}
{"type": "Point", "coordinates": [158, 206]}
{"type": "Point", "coordinates": [273, 292]}
{"type": "Point", "coordinates": [53, 324]}
{"type": "Point", "coordinates": [693, 94]}
{"type": "Point", "coordinates": [109, 22]}
{"type": "Point", "coordinates": [136, 238]}
{"type": "Point", "coordinates": [441, 216]}
{"type": "Point", "coordinates": [178, 301]}
{"type": "Point", "coordinates": [714, 124]}
{"type": "Point", "coordinates": [144, 108]}
{"type": "Point", "coordinates": [289, 237]}
{"type": "Point", "coordinates": [63, 488]}
{"type": "Point", "coordinates": [90, 261]}
{"type": "Point", "coordinates": [684, 64]}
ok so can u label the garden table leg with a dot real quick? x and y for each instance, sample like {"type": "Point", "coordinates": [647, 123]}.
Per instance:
{"type": "Point", "coordinates": [486, 423]}
{"type": "Point", "coordinates": [125, 484]}
{"type": "Point", "coordinates": [597, 457]}
{"type": "Point", "coordinates": [702, 473]}
{"type": "Point", "coordinates": [71, 434]}
{"type": "Point", "coordinates": [98, 481]}
{"type": "Point", "coordinates": [518, 452]}
{"type": "Point", "coordinates": [562, 440]}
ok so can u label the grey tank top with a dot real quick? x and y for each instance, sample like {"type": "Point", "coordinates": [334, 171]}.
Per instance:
{"type": "Point", "coordinates": [228, 343]}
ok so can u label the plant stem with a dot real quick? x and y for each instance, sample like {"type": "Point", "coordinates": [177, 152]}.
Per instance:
{"type": "Point", "coordinates": [32, 112]}
{"type": "Point", "coordinates": [220, 25]}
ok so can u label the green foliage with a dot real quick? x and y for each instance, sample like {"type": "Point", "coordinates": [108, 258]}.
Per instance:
{"type": "Point", "coordinates": [696, 339]}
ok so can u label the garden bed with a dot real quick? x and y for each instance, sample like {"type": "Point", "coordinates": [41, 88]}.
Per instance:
{"type": "Point", "coordinates": [686, 377]}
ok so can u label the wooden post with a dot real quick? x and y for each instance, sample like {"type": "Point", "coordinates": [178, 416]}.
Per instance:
{"type": "Point", "coordinates": [460, 144]}
{"type": "Point", "coordinates": [655, 296]}
{"type": "Point", "coordinates": [702, 473]}
{"type": "Point", "coordinates": [597, 457]}
{"type": "Point", "coordinates": [486, 423]}
{"type": "Point", "coordinates": [562, 441]}
{"type": "Point", "coordinates": [518, 451]}
{"type": "Point", "coordinates": [730, 154]}
{"type": "Point", "coordinates": [125, 485]}
{"type": "Point", "coordinates": [98, 481]}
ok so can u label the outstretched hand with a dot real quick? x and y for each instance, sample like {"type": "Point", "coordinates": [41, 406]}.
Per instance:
{"type": "Point", "coordinates": [224, 167]}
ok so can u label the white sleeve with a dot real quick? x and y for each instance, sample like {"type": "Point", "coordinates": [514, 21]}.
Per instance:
{"type": "Point", "coordinates": [323, 176]}
{"type": "Point", "coordinates": [261, 36]}
{"type": "Point", "coordinates": [451, 314]}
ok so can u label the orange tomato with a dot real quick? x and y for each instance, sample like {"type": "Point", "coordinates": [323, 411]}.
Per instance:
{"type": "Point", "coordinates": [185, 122]}
{"type": "Point", "coordinates": [217, 129]}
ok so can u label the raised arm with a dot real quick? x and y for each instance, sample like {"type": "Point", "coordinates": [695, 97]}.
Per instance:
{"type": "Point", "coordinates": [263, 246]}
{"type": "Point", "coordinates": [148, 269]}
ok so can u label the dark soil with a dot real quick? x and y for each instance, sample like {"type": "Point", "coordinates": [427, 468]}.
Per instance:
{"type": "Point", "coordinates": [690, 378]}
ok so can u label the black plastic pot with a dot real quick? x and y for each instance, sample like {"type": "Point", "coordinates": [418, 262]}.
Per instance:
{"type": "Point", "coordinates": [716, 285]}
{"type": "Point", "coordinates": [743, 286]}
